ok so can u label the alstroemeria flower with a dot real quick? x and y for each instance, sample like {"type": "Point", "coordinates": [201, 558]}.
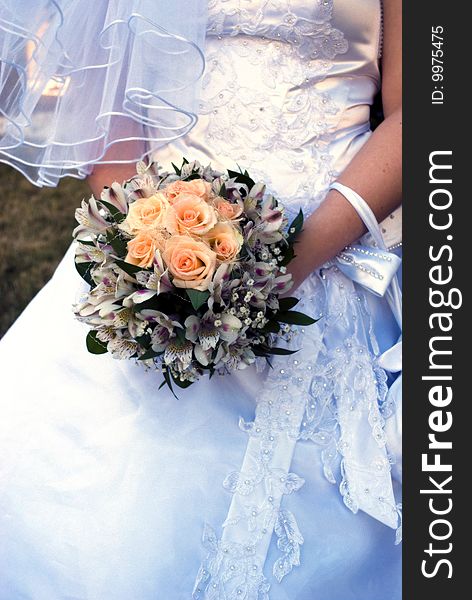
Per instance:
{"type": "Point", "coordinates": [272, 219]}
{"type": "Point", "coordinates": [164, 329]}
{"type": "Point", "coordinates": [122, 348]}
{"type": "Point", "coordinates": [235, 357]}
{"type": "Point", "coordinates": [115, 195]}
{"type": "Point", "coordinates": [209, 330]}
{"type": "Point", "coordinates": [91, 222]}
{"type": "Point", "coordinates": [218, 284]}
{"type": "Point", "coordinates": [155, 283]}
{"type": "Point", "coordinates": [282, 283]}
{"type": "Point", "coordinates": [178, 350]}
{"type": "Point", "coordinates": [86, 253]}
{"type": "Point", "coordinates": [255, 195]}
{"type": "Point", "coordinates": [100, 304]}
{"type": "Point", "coordinates": [127, 319]}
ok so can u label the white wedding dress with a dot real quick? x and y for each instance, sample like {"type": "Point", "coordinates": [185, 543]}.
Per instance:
{"type": "Point", "coordinates": [108, 485]}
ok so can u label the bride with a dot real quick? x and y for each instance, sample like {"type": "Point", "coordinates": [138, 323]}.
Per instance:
{"type": "Point", "coordinates": [274, 483]}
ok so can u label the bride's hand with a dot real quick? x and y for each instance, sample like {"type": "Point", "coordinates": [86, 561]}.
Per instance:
{"type": "Point", "coordinates": [328, 230]}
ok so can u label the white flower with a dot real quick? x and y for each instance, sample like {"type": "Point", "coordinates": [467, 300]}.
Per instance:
{"type": "Point", "coordinates": [86, 253]}
{"type": "Point", "coordinates": [180, 351]}
{"type": "Point", "coordinates": [155, 283]}
{"type": "Point", "coordinates": [126, 318]}
{"type": "Point", "coordinates": [206, 332]}
{"type": "Point", "coordinates": [122, 348]}
{"type": "Point", "coordinates": [115, 196]}
{"type": "Point", "coordinates": [90, 220]}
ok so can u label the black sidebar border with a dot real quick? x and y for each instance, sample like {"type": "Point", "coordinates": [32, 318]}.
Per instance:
{"type": "Point", "coordinates": [438, 236]}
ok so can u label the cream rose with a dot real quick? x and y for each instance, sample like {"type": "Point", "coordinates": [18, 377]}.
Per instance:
{"type": "Point", "coordinates": [141, 249]}
{"type": "Point", "coordinates": [190, 214]}
{"type": "Point", "coordinates": [196, 187]}
{"type": "Point", "coordinates": [191, 262]}
{"type": "Point", "coordinates": [228, 210]}
{"type": "Point", "coordinates": [146, 213]}
{"type": "Point", "coordinates": [225, 240]}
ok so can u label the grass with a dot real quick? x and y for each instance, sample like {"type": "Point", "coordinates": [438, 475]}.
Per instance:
{"type": "Point", "coordinates": [35, 230]}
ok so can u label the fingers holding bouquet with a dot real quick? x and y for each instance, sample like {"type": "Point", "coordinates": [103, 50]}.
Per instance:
{"type": "Point", "coordinates": [187, 271]}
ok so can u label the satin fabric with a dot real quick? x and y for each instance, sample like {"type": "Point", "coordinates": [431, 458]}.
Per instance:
{"type": "Point", "coordinates": [106, 482]}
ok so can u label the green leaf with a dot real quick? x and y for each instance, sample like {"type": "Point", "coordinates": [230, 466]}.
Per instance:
{"type": "Point", "coordinates": [223, 190]}
{"type": "Point", "coordinates": [263, 350]}
{"type": "Point", "coordinates": [168, 381]}
{"type": "Point", "coordinates": [128, 267]}
{"type": "Point", "coordinates": [150, 354]}
{"type": "Point", "coordinates": [241, 177]}
{"type": "Point", "coordinates": [280, 351]}
{"type": "Point", "coordinates": [182, 384]}
{"type": "Point", "coordinates": [178, 172]}
{"type": "Point", "coordinates": [271, 327]}
{"type": "Point", "coordinates": [297, 225]}
{"type": "Point", "coordinates": [197, 298]}
{"type": "Point", "coordinates": [288, 256]}
{"type": "Point", "coordinates": [258, 351]}
{"type": "Point", "coordinates": [118, 244]}
{"type": "Point", "coordinates": [294, 317]}
{"type": "Point", "coordinates": [117, 216]}
{"type": "Point", "coordinates": [233, 174]}
{"type": "Point", "coordinates": [84, 270]}
{"type": "Point", "coordinates": [286, 304]}
{"type": "Point", "coordinates": [94, 345]}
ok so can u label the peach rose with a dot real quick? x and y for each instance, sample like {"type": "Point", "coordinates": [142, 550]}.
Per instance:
{"type": "Point", "coordinates": [141, 249]}
{"type": "Point", "coordinates": [228, 210]}
{"type": "Point", "coordinates": [197, 187]}
{"type": "Point", "coordinates": [191, 262]}
{"type": "Point", "coordinates": [146, 213]}
{"type": "Point", "coordinates": [190, 214]}
{"type": "Point", "coordinates": [225, 240]}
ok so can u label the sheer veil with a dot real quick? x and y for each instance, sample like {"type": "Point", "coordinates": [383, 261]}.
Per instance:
{"type": "Point", "coordinates": [81, 78]}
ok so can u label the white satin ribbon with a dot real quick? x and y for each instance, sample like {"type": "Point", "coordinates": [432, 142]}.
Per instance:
{"type": "Point", "coordinates": [370, 267]}
{"type": "Point", "coordinates": [375, 269]}
{"type": "Point", "coordinates": [391, 359]}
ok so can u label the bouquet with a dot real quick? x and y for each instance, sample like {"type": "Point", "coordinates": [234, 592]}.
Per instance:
{"type": "Point", "coordinates": [186, 270]}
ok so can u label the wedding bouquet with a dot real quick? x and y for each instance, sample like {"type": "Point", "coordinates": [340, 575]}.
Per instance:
{"type": "Point", "coordinates": [186, 270]}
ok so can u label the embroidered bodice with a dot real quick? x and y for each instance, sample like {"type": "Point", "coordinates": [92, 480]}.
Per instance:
{"type": "Point", "coordinates": [288, 79]}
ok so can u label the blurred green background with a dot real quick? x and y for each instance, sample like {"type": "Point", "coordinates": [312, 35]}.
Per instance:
{"type": "Point", "coordinates": [35, 230]}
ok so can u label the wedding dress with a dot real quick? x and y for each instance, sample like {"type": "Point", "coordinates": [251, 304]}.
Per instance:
{"type": "Point", "coordinates": [275, 483]}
